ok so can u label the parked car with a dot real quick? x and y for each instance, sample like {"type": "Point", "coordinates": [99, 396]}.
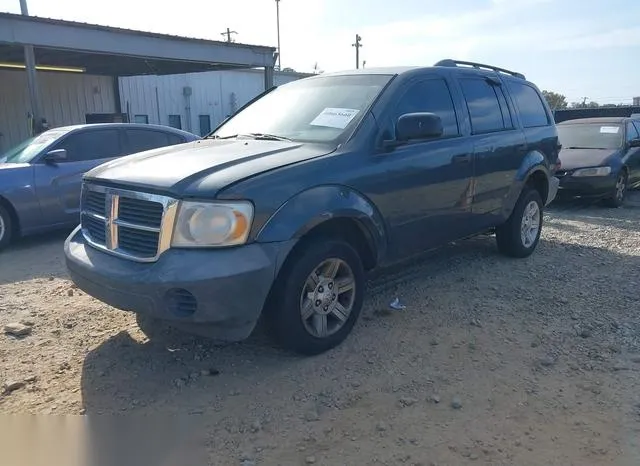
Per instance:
{"type": "Point", "coordinates": [287, 204]}
{"type": "Point", "coordinates": [41, 178]}
{"type": "Point", "coordinates": [600, 158]}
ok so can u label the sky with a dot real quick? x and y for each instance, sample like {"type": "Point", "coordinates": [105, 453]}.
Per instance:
{"type": "Point", "coordinates": [580, 48]}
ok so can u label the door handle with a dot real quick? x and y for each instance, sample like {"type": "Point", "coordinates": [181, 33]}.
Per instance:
{"type": "Point", "coordinates": [466, 158]}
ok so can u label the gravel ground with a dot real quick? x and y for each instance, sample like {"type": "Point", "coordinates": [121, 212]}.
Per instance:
{"type": "Point", "coordinates": [493, 361]}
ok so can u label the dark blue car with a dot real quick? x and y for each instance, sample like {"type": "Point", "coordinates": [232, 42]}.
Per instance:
{"type": "Point", "coordinates": [282, 210]}
{"type": "Point", "coordinates": [41, 178]}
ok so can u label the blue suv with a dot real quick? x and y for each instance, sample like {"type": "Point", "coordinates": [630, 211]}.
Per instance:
{"type": "Point", "coordinates": [281, 211]}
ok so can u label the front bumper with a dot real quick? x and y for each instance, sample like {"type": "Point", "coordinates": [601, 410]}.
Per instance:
{"type": "Point", "coordinates": [223, 289]}
{"type": "Point", "coordinates": [587, 185]}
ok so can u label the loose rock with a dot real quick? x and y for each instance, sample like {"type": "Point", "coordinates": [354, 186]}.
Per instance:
{"type": "Point", "coordinates": [456, 403]}
{"type": "Point", "coordinates": [13, 385]}
{"type": "Point", "coordinates": [381, 426]}
{"type": "Point", "coordinates": [406, 401]}
{"type": "Point", "coordinates": [310, 460]}
{"type": "Point", "coordinates": [435, 399]}
{"type": "Point", "coordinates": [17, 329]}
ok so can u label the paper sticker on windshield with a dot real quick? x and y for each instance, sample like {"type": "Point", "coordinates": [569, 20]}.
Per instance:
{"type": "Point", "coordinates": [335, 117]}
{"type": "Point", "coordinates": [609, 129]}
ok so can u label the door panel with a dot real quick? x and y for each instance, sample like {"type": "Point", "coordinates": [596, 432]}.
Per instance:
{"type": "Point", "coordinates": [58, 185]}
{"type": "Point", "coordinates": [497, 145]}
{"type": "Point", "coordinates": [632, 154]}
{"type": "Point", "coordinates": [422, 188]}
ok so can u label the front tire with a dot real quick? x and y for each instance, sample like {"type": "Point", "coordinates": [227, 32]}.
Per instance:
{"type": "Point", "coordinates": [6, 227]}
{"type": "Point", "coordinates": [318, 296]}
{"type": "Point", "coordinates": [619, 191]}
{"type": "Point", "coordinates": [520, 234]}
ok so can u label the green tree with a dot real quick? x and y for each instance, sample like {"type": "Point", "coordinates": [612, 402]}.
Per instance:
{"type": "Point", "coordinates": [555, 100]}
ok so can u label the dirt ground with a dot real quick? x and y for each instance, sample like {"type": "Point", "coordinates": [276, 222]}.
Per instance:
{"type": "Point", "coordinates": [494, 361]}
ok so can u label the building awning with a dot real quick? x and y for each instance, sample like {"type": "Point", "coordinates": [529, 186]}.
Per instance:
{"type": "Point", "coordinates": [102, 50]}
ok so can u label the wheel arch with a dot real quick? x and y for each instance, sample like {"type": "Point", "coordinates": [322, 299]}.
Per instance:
{"type": "Point", "coordinates": [330, 210]}
{"type": "Point", "coordinates": [15, 219]}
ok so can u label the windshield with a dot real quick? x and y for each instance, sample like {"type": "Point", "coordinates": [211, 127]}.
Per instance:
{"type": "Point", "coordinates": [590, 136]}
{"type": "Point", "coordinates": [310, 110]}
{"type": "Point", "coordinates": [28, 149]}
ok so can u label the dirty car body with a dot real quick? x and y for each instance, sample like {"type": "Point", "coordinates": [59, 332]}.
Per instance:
{"type": "Point", "coordinates": [285, 205]}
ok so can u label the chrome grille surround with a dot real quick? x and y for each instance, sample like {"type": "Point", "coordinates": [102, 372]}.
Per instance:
{"type": "Point", "coordinates": [115, 229]}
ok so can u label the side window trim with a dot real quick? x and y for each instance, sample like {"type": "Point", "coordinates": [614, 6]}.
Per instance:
{"type": "Point", "coordinates": [636, 124]}
{"type": "Point", "coordinates": [631, 125]}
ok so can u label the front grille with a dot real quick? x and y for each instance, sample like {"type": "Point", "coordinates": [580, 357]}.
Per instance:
{"type": "Point", "coordinates": [129, 224]}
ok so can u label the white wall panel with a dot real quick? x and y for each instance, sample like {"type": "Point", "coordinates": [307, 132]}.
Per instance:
{"type": "Point", "coordinates": [216, 94]}
{"type": "Point", "coordinates": [65, 99]}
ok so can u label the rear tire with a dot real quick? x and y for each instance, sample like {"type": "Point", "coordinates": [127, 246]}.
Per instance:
{"type": "Point", "coordinates": [318, 296]}
{"type": "Point", "coordinates": [6, 227]}
{"type": "Point", "coordinates": [520, 234]}
{"type": "Point", "coordinates": [619, 191]}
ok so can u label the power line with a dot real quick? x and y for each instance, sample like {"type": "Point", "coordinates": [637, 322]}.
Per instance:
{"type": "Point", "coordinates": [357, 45]}
{"type": "Point", "coordinates": [228, 33]}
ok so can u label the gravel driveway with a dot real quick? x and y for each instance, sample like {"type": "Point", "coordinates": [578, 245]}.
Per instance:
{"type": "Point", "coordinates": [493, 361]}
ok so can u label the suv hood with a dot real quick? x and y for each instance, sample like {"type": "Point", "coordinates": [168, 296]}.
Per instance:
{"type": "Point", "coordinates": [203, 167]}
{"type": "Point", "coordinates": [579, 158]}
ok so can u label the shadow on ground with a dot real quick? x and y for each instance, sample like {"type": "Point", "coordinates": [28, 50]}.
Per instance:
{"type": "Point", "coordinates": [38, 256]}
{"type": "Point", "coordinates": [186, 373]}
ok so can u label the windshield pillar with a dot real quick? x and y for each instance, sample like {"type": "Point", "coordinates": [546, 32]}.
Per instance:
{"type": "Point", "coordinates": [268, 77]}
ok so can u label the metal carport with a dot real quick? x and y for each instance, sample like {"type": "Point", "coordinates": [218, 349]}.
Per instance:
{"type": "Point", "coordinates": [115, 52]}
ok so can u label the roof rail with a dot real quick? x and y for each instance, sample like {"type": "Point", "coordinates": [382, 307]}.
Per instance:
{"type": "Point", "coordinates": [455, 63]}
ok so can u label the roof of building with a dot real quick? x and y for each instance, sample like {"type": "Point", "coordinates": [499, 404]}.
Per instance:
{"type": "Point", "coordinates": [121, 52]}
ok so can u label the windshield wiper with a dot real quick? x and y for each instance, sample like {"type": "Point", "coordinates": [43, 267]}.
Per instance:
{"type": "Point", "coordinates": [258, 136]}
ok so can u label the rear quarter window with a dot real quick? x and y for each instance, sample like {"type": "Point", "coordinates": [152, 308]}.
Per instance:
{"type": "Point", "coordinates": [529, 105]}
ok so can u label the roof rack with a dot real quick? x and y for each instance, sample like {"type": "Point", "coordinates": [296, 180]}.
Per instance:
{"type": "Point", "coordinates": [455, 63]}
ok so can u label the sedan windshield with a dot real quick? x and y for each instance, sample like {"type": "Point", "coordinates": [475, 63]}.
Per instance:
{"type": "Point", "coordinates": [590, 136]}
{"type": "Point", "coordinates": [27, 150]}
{"type": "Point", "coordinates": [319, 109]}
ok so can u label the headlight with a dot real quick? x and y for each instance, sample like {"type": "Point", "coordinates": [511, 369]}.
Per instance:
{"type": "Point", "coordinates": [596, 171]}
{"type": "Point", "coordinates": [202, 224]}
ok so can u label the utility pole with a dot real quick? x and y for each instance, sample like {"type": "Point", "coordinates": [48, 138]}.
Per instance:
{"type": "Point", "coordinates": [364, 63]}
{"type": "Point", "coordinates": [30, 67]}
{"type": "Point", "coordinates": [584, 101]}
{"type": "Point", "coordinates": [228, 34]}
{"type": "Point", "coordinates": [278, 28]}
{"type": "Point", "coordinates": [357, 45]}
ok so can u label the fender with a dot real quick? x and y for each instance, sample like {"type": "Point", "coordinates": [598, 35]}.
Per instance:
{"type": "Point", "coordinates": [312, 207]}
{"type": "Point", "coordinates": [533, 162]}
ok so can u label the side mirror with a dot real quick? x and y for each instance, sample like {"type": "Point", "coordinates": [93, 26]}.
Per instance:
{"type": "Point", "coordinates": [55, 156]}
{"type": "Point", "coordinates": [634, 143]}
{"type": "Point", "coordinates": [414, 126]}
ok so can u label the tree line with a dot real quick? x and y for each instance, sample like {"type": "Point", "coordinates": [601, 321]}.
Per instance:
{"type": "Point", "coordinates": [558, 101]}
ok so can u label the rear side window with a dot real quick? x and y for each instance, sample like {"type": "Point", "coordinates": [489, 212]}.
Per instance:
{"type": "Point", "coordinates": [175, 139]}
{"type": "Point", "coordinates": [529, 104]}
{"type": "Point", "coordinates": [484, 107]}
{"type": "Point", "coordinates": [432, 96]}
{"type": "Point", "coordinates": [92, 145]}
{"type": "Point", "coordinates": [141, 140]}
{"type": "Point", "coordinates": [632, 132]}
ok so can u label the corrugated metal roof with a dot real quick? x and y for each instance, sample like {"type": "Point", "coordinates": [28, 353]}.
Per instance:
{"type": "Point", "coordinates": [98, 27]}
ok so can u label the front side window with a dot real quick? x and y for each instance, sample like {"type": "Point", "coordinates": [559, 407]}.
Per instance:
{"type": "Point", "coordinates": [590, 136]}
{"type": "Point", "coordinates": [430, 96]}
{"type": "Point", "coordinates": [529, 104]}
{"type": "Point", "coordinates": [318, 109]}
{"type": "Point", "coordinates": [92, 145]}
{"type": "Point", "coordinates": [28, 149]}
{"type": "Point", "coordinates": [483, 104]}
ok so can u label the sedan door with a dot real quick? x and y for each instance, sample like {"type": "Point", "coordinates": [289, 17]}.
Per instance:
{"type": "Point", "coordinates": [58, 184]}
{"type": "Point", "coordinates": [632, 154]}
